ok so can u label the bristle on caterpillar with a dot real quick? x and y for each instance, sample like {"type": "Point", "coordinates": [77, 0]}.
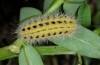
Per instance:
{"type": "Point", "coordinates": [46, 28]}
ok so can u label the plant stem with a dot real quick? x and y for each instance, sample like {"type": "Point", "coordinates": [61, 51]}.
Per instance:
{"type": "Point", "coordinates": [5, 53]}
{"type": "Point", "coordinates": [80, 59]}
{"type": "Point", "coordinates": [54, 5]}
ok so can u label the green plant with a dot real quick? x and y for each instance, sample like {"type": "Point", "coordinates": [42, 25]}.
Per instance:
{"type": "Point", "coordinates": [85, 42]}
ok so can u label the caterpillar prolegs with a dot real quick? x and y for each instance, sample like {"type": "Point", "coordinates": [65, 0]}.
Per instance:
{"type": "Point", "coordinates": [47, 28]}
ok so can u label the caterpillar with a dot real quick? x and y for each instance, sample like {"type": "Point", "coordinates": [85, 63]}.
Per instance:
{"type": "Point", "coordinates": [47, 28]}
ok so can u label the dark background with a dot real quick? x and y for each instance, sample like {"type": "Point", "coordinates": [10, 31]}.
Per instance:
{"type": "Point", "coordinates": [9, 17]}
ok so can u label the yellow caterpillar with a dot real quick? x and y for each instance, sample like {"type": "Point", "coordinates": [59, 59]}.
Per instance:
{"type": "Point", "coordinates": [54, 26]}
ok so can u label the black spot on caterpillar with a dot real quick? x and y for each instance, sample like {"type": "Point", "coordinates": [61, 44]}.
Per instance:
{"type": "Point", "coordinates": [28, 28]}
{"type": "Point", "coordinates": [47, 23]}
{"type": "Point", "coordinates": [49, 34]}
{"type": "Point", "coordinates": [60, 32]}
{"type": "Point", "coordinates": [34, 26]}
{"type": "Point", "coordinates": [47, 28]}
{"type": "Point", "coordinates": [53, 22]}
{"type": "Point", "coordinates": [40, 24]}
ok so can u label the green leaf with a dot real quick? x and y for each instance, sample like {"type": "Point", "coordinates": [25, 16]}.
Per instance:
{"type": "Point", "coordinates": [52, 50]}
{"type": "Point", "coordinates": [10, 51]}
{"type": "Point", "coordinates": [70, 8]}
{"type": "Point", "coordinates": [47, 4]}
{"type": "Point", "coordinates": [97, 31]}
{"type": "Point", "coordinates": [83, 42]}
{"type": "Point", "coordinates": [28, 12]}
{"type": "Point", "coordinates": [29, 56]}
{"type": "Point", "coordinates": [5, 53]}
{"type": "Point", "coordinates": [42, 50]}
{"type": "Point", "coordinates": [84, 15]}
{"type": "Point", "coordinates": [54, 6]}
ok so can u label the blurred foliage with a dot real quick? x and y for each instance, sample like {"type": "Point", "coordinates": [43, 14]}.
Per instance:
{"type": "Point", "coordinates": [97, 4]}
{"type": "Point", "coordinates": [97, 20]}
{"type": "Point", "coordinates": [84, 15]}
{"type": "Point", "coordinates": [10, 14]}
